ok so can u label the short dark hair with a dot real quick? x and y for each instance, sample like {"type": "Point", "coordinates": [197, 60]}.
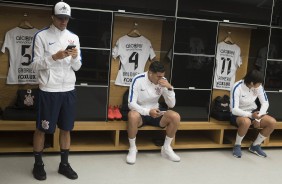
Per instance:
{"type": "Point", "coordinates": [254, 76]}
{"type": "Point", "coordinates": [156, 66]}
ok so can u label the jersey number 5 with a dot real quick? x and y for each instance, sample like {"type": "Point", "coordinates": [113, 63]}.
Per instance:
{"type": "Point", "coordinates": [24, 47]}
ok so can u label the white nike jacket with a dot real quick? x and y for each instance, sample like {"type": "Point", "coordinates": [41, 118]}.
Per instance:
{"type": "Point", "coordinates": [59, 75]}
{"type": "Point", "coordinates": [242, 100]}
{"type": "Point", "coordinates": [144, 95]}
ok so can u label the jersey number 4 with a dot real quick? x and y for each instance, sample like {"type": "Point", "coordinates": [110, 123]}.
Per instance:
{"type": "Point", "coordinates": [134, 59]}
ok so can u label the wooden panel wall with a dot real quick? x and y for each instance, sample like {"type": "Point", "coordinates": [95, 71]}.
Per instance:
{"type": "Point", "coordinates": [149, 28]}
{"type": "Point", "coordinates": [10, 17]}
{"type": "Point", "coordinates": [240, 36]}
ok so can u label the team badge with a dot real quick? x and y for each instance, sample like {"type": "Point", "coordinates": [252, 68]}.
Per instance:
{"type": "Point", "coordinates": [71, 42]}
{"type": "Point", "coordinates": [29, 100]}
{"type": "Point", "coordinates": [45, 124]}
{"type": "Point", "coordinates": [158, 90]}
{"type": "Point", "coordinates": [255, 92]}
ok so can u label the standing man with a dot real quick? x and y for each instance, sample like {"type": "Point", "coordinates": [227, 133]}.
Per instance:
{"type": "Point", "coordinates": [246, 113]}
{"type": "Point", "coordinates": [56, 55]}
{"type": "Point", "coordinates": [144, 93]}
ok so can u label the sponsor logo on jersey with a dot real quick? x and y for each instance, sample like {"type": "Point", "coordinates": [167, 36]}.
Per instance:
{"type": "Point", "coordinates": [127, 80]}
{"type": "Point", "coordinates": [225, 51]}
{"type": "Point", "coordinates": [21, 39]}
{"type": "Point", "coordinates": [134, 46]}
{"type": "Point", "coordinates": [129, 74]}
{"type": "Point", "coordinates": [27, 76]}
{"type": "Point", "coordinates": [51, 43]}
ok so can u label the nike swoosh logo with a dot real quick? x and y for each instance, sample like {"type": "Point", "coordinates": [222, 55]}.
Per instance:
{"type": "Point", "coordinates": [51, 43]}
{"type": "Point", "coordinates": [243, 95]}
{"type": "Point", "coordinates": [142, 89]}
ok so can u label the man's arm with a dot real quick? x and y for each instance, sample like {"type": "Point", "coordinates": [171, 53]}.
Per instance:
{"type": "Point", "coordinates": [76, 57]}
{"type": "Point", "coordinates": [234, 101]}
{"type": "Point", "coordinates": [168, 93]}
{"type": "Point", "coordinates": [132, 99]}
{"type": "Point", "coordinates": [39, 60]}
{"type": "Point", "coordinates": [263, 101]}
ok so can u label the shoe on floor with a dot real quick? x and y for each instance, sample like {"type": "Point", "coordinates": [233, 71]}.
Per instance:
{"type": "Point", "coordinates": [257, 150]}
{"type": "Point", "coordinates": [67, 171]}
{"type": "Point", "coordinates": [39, 172]}
{"type": "Point", "coordinates": [111, 115]}
{"type": "Point", "coordinates": [237, 151]}
{"type": "Point", "coordinates": [117, 113]}
{"type": "Point", "coordinates": [169, 154]}
{"type": "Point", "coordinates": [131, 156]}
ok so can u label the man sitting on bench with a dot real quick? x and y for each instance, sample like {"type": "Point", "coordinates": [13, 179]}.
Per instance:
{"type": "Point", "coordinates": [144, 93]}
{"type": "Point", "coordinates": [245, 112]}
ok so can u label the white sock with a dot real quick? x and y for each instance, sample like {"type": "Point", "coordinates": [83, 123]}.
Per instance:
{"type": "Point", "coordinates": [132, 143]}
{"type": "Point", "coordinates": [238, 139]}
{"type": "Point", "coordinates": [259, 139]}
{"type": "Point", "coordinates": [168, 141]}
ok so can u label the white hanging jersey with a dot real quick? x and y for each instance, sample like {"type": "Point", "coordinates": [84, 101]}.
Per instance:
{"type": "Point", "coordinates": [228, 59]}
{"type": "Point", "coordinates": [133, 53]}
{"type": "Point", "coordinates": [18, 41]}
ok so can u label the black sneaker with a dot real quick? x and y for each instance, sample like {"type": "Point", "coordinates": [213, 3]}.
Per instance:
{"type": "Point", "coordinates": [39, 172]}
{"type": "Point", "coordinates": [66, 170]}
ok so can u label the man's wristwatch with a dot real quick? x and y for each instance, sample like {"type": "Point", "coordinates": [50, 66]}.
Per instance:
{"type": "Point", "coordinates": [170, 89]}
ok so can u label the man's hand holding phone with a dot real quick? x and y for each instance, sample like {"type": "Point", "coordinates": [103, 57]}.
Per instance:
{"type": "Point", "coordinates": [71, 50]}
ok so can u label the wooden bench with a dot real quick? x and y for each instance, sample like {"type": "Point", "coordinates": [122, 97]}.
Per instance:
{"type": "Point", "coordinates": [16, 136]}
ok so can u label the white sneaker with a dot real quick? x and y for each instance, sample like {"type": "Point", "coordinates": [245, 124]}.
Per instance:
{"type": "Point", "coordinates": [131, 156]}
{"type": "Point", "coordinates": [168, 153]}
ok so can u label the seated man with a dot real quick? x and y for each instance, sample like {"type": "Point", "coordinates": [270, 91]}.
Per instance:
{"type": "Point", "coordinates": [144, 93]}
{"type": "Point", "coordinates": [245, 112]}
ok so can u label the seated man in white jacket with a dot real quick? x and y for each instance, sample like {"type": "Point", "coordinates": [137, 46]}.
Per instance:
{"type": "Point", "coordinates": [144, 93]}
{"type": "Point", "coordinates": [246, 113]}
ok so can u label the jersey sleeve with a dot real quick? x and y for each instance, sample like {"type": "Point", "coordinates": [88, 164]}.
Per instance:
{"type": "Point", "coordinates": [115, 52]}
{"type": "Point", "coordinates": [152, 52]}
{"type": "Point", "coordinates": [7, 42]}
{"type": "Point", "coordinates": [238, 59]}
{"type": "Point", "coordinates": [169, 97]}
{"type": "Point", "coordinates": [132, 99]}
{"type": "Point", "coordinates": [263, 101]}
{"type": "Point", "coordinates": [76, 62]}
{"type": "Point", "coordinates": [234, 103]}
{"type": "Point", "coordinates": [39, 60]}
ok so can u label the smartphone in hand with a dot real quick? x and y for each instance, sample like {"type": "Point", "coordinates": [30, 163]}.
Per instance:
{"type": "Point", "coordinates": [70, 47]}
{"type": "Point", "coordinates": [162, 112]}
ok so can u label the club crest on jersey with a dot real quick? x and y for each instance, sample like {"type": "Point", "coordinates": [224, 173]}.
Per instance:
{"type": "Point", "coordinates": [255, 92]}
{"type": "Point", "coordinates": [45, 124]}
{"type": "Point", "coordinates": [158, 90]}
{"type": "Point", "coordinates": [71, 42]}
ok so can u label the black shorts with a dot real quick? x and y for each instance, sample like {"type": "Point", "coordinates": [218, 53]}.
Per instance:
{"type": "Point", "coordinates": [148, 120]}
{"type": "Point", "coordinates": [56, 108]}
{"type": "Point", "coordinates": [233, 120]}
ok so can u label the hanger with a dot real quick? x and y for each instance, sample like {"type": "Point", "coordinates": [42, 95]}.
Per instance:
{"type": "Point", "coordinates": [24, 23]}
{"type": "Point", "coordinates": [134, 32]}
{"type": "Point", "coordinates": [228, 39]}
